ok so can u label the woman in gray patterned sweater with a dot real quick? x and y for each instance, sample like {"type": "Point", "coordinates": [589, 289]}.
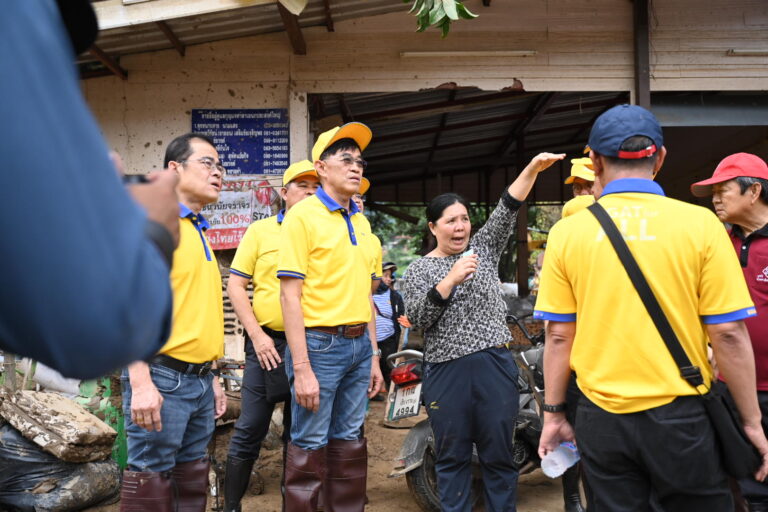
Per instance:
{"type": "Point", "coordinates": [470, 383]}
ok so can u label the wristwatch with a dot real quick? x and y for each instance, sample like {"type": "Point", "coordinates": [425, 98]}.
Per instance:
{"type": "Point", "coordinates": [553, 408]}
{"type": "Point", "coordinates": [377, 352]}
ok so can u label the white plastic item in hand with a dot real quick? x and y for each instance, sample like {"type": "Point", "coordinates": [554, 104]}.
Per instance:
{"type": "Point", "coordinates": [561, 458]}
{"type": "Point", "coordinates": [468, 252]}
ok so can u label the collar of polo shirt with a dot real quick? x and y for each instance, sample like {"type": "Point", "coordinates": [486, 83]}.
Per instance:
{"type": "Point", "coordinates": [633, 185]}
{"type": "Point", "coordinates": [185, 212]}
{"type": "Point", "coordinates": [332, 205]}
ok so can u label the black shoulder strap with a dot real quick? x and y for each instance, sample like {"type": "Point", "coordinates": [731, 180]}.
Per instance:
{"type": "Point", "coordinates": [690, 373]}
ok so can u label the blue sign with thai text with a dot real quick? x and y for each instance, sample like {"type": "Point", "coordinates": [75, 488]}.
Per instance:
{"type": "Point", "coordinates": [249, 141]}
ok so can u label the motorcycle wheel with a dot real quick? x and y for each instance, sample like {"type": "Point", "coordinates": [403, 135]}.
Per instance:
{"type": "Point", "coordinates": [422, 482]}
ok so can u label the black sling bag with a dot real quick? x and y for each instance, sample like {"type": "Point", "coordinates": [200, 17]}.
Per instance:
{"type": "Point", "coordinates": [739, 456]}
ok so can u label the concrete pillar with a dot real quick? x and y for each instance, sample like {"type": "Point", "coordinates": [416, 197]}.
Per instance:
{"type": "Point", "coordinates": [298, 116]}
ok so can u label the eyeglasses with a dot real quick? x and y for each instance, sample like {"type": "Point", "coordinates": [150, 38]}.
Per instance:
{"type": "Point", "coordinates": [349, 161]}
{"type": "Point", "coordinates": [210, 164]}
{"type": "Point", "coordinates": [362, 199]}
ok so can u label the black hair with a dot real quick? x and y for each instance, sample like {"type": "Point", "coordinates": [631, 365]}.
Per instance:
{"type": "Point", "coordinates": [339, 145]}
{"type": "Point", "coordinates": [634, 143]}
{"type": "Point", "coordinates": [746, 181]}
{"type": "Point", "coordinates": [180, 148]}
{"type": "Point", "coordinates": [437, 206]}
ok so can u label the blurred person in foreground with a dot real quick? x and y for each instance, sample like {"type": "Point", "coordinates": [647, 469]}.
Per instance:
{"type": "Point", "coordinates": [85, 284]}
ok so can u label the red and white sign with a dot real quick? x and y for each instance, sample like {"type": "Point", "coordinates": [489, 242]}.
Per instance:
{"type": "Point", "coordinates": [240, 203]}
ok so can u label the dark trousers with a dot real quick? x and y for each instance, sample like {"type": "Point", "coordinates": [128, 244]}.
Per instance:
{"type": "Point", "coordinates": [666, 455]}
{"type": "Point", "coordinates": [572, 398]}
{"type": "Point", "coordinates": [256, 412]}
{"type": "Point", "coordinates": [474, 399]}
{"type": "Point", "coordinates": [388, 347]}
{"type": "Point", "coordinates": [753, 491]}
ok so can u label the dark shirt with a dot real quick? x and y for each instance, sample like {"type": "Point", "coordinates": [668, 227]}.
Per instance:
{"type": "Point", "coordinates": [753, 256]}
{"type": "Point", "coordinates": [82, 289]}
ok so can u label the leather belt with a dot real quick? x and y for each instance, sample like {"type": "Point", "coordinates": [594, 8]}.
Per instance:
{"type": "Point", "coordinates": [345, 331]}
{"type": "Point", "coordinates": [199, 369]}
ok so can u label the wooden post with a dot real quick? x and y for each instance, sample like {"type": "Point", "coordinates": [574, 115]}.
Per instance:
{"type": "Point", "coordinates": [9, 371]}
{"type": "Point", "coordinates": [642, 39]}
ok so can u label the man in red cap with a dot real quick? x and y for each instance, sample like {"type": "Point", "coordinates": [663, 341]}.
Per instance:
{"type": "Point", "coordinates": [739, 190]}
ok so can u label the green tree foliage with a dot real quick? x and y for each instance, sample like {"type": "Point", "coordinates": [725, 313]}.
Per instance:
{"type": "Point", "coordinates": [438, 14]}
{"type": "Point", "coordinates": [403, 242]}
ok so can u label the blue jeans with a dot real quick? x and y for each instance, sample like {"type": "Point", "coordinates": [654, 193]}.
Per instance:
{"type": "Point", "coordinates": [188, 420]}
{"type": "Point", "coordinates": [342, 367]}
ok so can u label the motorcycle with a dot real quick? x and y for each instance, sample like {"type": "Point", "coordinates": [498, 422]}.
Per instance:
{"type": "Point", "coordinates": [417, 456]}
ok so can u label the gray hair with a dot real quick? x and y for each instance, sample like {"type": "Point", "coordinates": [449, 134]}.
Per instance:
{"type": "Point", "coordinates": [747, 181]}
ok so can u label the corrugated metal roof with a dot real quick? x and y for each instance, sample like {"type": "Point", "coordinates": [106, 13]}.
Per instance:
{"type": "Point", "coordinates": [230, 24]}
{"type": "Point", "coordinates": [459, 132]}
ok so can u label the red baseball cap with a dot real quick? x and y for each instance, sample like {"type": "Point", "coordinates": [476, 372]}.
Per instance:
{"type": "Point", "coordinates": [732, 166]}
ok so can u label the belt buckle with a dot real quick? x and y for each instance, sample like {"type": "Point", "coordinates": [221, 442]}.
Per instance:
{"type": "Point", "coordinates": [204, 369]}
{"type": "Point", "coordinates": [350, 330]}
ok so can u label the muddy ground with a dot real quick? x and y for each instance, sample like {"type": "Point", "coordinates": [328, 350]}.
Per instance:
{"type": "Point", "coordinates": [536, 493]}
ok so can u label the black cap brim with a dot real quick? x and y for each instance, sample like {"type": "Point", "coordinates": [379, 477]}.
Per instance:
{"type": "Point", "coordinates": [81, 23]}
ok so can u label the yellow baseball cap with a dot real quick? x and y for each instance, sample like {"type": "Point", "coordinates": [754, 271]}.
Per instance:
{"type": "Point", "coordinates": [364, 186]}
{"type": "Point", "coordinates": [358, 132]}
{"type": "Point", "coordinates": [298, 169]}
{"type": "Point", "coordinates": [581, 168]}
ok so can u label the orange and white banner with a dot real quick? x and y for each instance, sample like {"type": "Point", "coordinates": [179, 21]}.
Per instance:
{"type": "Point", "coordinates": [241, 202]}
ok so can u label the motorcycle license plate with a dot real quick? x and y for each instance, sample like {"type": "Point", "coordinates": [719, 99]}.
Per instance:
{"type": "Point", "coordinates": [407, 402]}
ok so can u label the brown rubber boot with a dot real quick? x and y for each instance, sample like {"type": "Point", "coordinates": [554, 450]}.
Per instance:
{"type": "Point", "coordinates": [304, 471]}
{"type": "Point", "coordinates": [344, 486]}
{"type": "Point", "coordinates": [143, 490]}
{"type": "Point", "coordinates": [191, 481]}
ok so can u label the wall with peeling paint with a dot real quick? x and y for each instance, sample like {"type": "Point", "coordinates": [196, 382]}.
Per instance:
{"type": "Point", "coordinates": [141, 115]}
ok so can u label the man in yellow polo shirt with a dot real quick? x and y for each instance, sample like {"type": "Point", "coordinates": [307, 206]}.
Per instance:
{"type": "Point", "coordinates": [641, 428]}
{"type": "Point", "coordinates": [256, 260]}
{"type": "Point", "coordinates": [359, 200]}
{"type": "Point", "coordinates": [325, 268]}
{"type": "Point", "coordinates": [582, 177]}
{"type": "Point", "coordinates": [171, 402]}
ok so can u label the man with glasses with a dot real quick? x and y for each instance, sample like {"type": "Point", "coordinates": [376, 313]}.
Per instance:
{"type": "Point", "coordinates": [325, 268]}
{"type": "Point", "coordinates": [171, 402]}
{"type": "Point", "coordinates": [256, 261]}
{"type": "Point", "coordinates": [83, 316]}
{"type": "Point", "coordinates": [582, 177]}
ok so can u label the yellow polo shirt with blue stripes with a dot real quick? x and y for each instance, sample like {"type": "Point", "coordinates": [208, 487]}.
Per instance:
{"type": "Point", "coordinates": [620, 360]}
{"type": "Point", "coordinates": [331, 249]}
{"type": "Point", "coordinates": [376, 253]}
{"type": "Point", "coordinates": [197, 333]}
{"type": "Point", "coordinates": [256, 259]}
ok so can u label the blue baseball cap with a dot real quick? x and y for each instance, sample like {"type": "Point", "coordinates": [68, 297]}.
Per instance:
{"type": "Point", "coordinates": [617, 124]}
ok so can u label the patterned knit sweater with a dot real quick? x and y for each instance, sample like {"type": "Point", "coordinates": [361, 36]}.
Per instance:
{"type": "Point", "coordinates": [473, 318]}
